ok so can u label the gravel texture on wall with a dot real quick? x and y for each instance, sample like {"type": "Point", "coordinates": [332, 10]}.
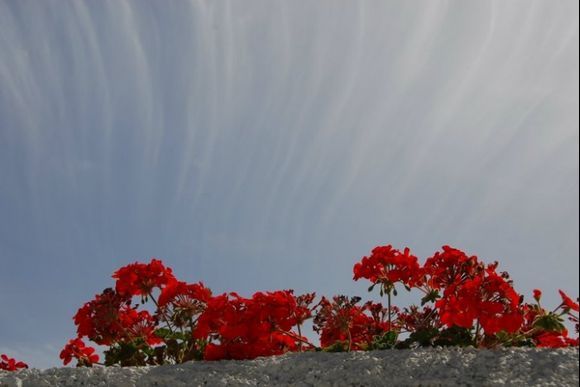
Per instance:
{"type": "Point", "coordinates": [419, 367]}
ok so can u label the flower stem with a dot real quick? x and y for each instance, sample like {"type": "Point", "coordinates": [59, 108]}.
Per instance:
{"type": "Point", "coordinates": [162, 313]}
{"type": "Point", "coordinates": [389, 308]}
{"type": "Point", "coordinates": [298, 338]}
{"type": "Point", "coordinates": [349, 340]}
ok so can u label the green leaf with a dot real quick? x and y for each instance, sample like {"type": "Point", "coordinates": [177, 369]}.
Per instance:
{"type": "Point", "coordinates": [550, 322]}
{"type": "Point", "coordinates": [385, 341]}
{"type": "Point", "coordinates": [431, 297]}
{"type": "Point", "coordinates": [507, 339]}
{"type": "Point", "coordinates": [163, 333]}
{"type": "Point", "coordinates": [424, 337]}
{"type": "Point", "coordinates": [125, 354]}
{"type": "Point", "coordinates": [166, 334]}
{"type": "Point", "coordinates": [455, 336]}
{"type": "Point", "coordinates": [339, 346]}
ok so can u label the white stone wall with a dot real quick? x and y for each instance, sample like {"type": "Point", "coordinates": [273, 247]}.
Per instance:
{"type": "Point", "coordinates": [425, 367]}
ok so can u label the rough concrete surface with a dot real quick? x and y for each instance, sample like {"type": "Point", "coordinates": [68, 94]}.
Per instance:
{"type": "Point", "coordinates": [418, 367]}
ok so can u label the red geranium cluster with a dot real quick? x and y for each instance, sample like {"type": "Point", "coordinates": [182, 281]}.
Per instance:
{"type": "Point", "coordinates": [472, 304]}
{"type": "Point", "coordinates": [387, 266]}
{"type": "Point", "coordinates": [472, 292]}
{"type": "Point", "coordinates": [234, 327]}
{"type": "Point", "coordinates": [110, 318]}
{"type": "Point", "coordinates": [185, 322]}
{"type": "Point", "coordinates": [9, 364]}
{"type": "Point", "coordinates": [139, 279]}
{"type": "Point", "coordinates": [150, 317]}
{"type": "Point", "coordinates": [77, 349]}
{"type": "Point", "coordinates": [545, 327]}
{"type": "Point", "coordinates": [344, 326]}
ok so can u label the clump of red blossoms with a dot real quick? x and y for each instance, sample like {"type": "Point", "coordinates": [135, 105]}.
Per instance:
{"type": "Point", "coordinates": [183, 301]}
{"type": "Point", "coordinates": [567, 302]}
{"type": "Point", "coordinates": [344, 325]}
{"type": "Point", "coordinates": [545, 327]}
{"type": "Point", "coordinates": [10, 364]}
{"type": "Point", "coordinates": [185, 321]}
{"type": "Point", "coordinates": [473, 304]}
{"type": "Point", "coordinates": [76, 349]}
{"type": "Point", "coordinates": [100, 319]}
{"type": "Point", "coordinates": [234, 327]}
{"type": "Point", "coordinates": [487, 298]}
{"type": "Point", "coordinates": [387, 266]}
{"type": "Point", "coordinates": [150, 317]}
{"type": "Point", "coordinates": [139, 279]}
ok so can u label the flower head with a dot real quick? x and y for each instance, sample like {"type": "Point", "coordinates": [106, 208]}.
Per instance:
{"type": "Point", "coordinates": [181, 294]}
{"type": "Point", "coordinates": [568, 302]}
{"type": "Point", "coordinates": [342, 322]}
{"type": "Point", "coordinates": [487, 297]}
{"type": "Point", "coordinates": [99, 319]}
{"type": "Point", "coordinates": [537, 295]}
{"type": "Point", "coordinates": [388, 266]}
{"type": "Point", "coordinates": [76, 349]}
{"type": "Point", "coordinates": [10, 364]}
{"type": "Point", "coordinates": [449, 267]}
{"type": "Point", "coordinates": [245, 328]}
{"type": "Point", "coordinates": [139, 325]}
{"type": "Point", "coordinates": [555, 340]}
{"type": "Point", "coordinates": [139, 279]}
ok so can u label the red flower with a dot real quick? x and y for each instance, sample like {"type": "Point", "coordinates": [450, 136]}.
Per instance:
{"type": "Point", "coordinates": [109, 319]}
{"type": "Point", "coordinates": [457, 311]}
{"type": "Point", "coordinates": [277, 307]}
{"type": "Point", "coordinates": [487, 297]}
{"type": "Point", "coordinates": [9, 364]}
{"type": "Point", "coordinates": [537, 295]}
{"type": "Point", "coordinates": [388, 265]}
{"type": "Point", "coordinates": [139, 325]}
{"type": "Point", "coordinates": [182, 294]}
{"type": "Point", "coordinates": [212, 318]}
{"type": "Point", "coordinates": [415, 319]}
{"type": "Point", "coordinates": [499, 309]}
{"type": "Point", "coordinates": [568, 302]}
{"type": "Point", "coordinates": [245, 328]}
{"type": "Point", "coordinates": [303, 311]}
{"type": "Point", "coordinates": [183, 301]}
{"type": "Point", "coordinates": [555, 340]}
{"type": "Point", "coordinates": [530, 314]}
{"type": "Point", "coordinates": [139, 279]}
{"type": "Point", "coordinates": [450, 267]}
{"type": "Point", "coordinates": [76, 349]}
{"type": "Point", "coordinates": [99, 319]}
{"type": "Point", "coordinates": [214, 352]}
{"type": "Point", "coordinates": [341, 321]}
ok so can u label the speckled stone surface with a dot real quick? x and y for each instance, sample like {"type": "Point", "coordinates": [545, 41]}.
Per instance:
{"type": "Point", "coordinates": [420, 367]}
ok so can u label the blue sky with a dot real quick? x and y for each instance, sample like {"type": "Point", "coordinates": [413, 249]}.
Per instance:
{"type": "Point", "coordinates": [264, 145]}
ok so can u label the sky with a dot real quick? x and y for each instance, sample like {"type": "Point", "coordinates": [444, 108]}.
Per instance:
{"type": "Point", "coordinates": [265, 145]}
